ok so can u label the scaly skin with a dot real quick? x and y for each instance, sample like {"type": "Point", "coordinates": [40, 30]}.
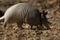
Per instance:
{"type": "Point", "coordinates": [22, 13]}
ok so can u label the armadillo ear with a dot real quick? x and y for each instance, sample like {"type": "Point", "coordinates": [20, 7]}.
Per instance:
{"type": "Point", "coordinates": [45, 12]}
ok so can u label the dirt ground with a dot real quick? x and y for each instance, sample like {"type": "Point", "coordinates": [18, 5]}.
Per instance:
{"type": "Point", "coordinates": [14, 33]}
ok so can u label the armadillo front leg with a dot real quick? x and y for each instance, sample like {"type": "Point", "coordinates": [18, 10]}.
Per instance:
{"type": "Point", "coordinates": [19, 24]}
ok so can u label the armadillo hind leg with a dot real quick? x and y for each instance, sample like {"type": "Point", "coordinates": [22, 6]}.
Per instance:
{"type": "Point", "coordinates": [5, 24]}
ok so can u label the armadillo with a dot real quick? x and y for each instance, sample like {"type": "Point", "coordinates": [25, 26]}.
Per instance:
{"type": "Point", "coordinates": [22, 13]}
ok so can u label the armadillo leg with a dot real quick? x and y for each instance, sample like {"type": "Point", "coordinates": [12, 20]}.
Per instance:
{"type": "Point", "coordinates": [25, 20]}
{"type": "Point", "coordinates": [31, 26]}
{"type": "Point", "coordinates": [19, 24]}
{"type": "Point", "coordinates": [5, 24]}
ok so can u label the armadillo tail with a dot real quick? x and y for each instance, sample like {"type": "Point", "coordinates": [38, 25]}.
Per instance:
{"type": "Point", "coordinates": [2, 18]}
